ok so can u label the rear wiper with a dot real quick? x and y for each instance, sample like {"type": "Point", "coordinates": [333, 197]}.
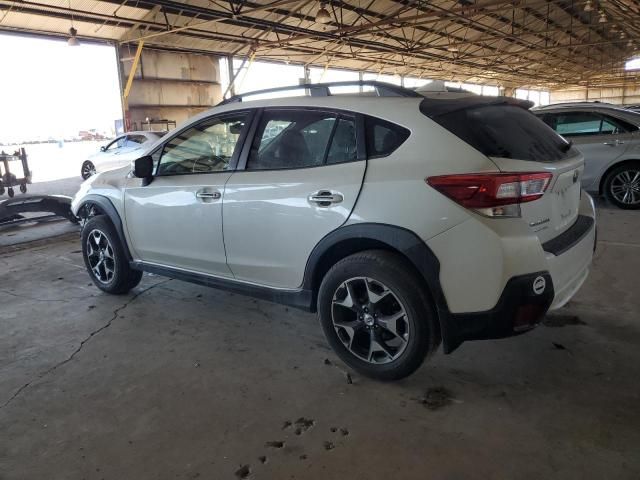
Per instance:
{"type": "Point", "coordinates": [567, 146]}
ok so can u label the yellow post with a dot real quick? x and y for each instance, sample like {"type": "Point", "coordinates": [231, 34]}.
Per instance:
{"type": "Point", "coordinates": [132, 72]}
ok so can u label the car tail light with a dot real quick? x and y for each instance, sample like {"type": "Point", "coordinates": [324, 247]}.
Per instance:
{"type": "Point", "coordinates": [492, 194]}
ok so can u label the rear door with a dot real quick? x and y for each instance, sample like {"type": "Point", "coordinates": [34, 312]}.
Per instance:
{"type": "Point", "coordinates": [297, 181]}
{"type": "Point", "coordinates": [600, 138]}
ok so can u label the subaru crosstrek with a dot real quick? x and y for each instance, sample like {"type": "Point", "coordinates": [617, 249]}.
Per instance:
{"type": "Point", "coordinates": [404, 221]}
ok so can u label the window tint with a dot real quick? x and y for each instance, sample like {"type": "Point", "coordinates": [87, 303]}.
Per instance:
{"type": "Point", "coordinates": [291, 139]}
{"type": "Point", "coordinates": [207, 147]}
{"type": "Point", "coordinates": [578, 123]}
{"type": "Point", "coordinates": [506, 131]}
{"type": "Point", "coordinates": [383, 137]}
{"type": "Point", "coordinates": [343, 145]}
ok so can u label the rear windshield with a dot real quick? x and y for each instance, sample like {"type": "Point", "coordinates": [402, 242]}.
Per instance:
{"type": "Point", "coordinates": [506, 131]}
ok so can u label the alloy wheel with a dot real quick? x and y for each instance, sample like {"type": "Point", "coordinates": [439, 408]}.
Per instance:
{"type": "Point", "coordinates": [88, 170]}
{"type": "Point", "coordinates": [370, 320]}
{"type": "Point", "coordinates": [625, 187]}
{"type": "Point", "coordinates": [100, 256]}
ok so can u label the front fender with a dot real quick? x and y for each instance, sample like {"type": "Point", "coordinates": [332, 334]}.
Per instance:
{"type": "Point", "coordinates": [105, 207]}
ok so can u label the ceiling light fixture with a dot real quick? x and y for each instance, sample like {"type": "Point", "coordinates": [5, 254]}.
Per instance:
{"type": "Point", "coordinates": [73, 33]}
{"type": "Point", "coordinates": [587, 6]}
{"type": "Point", "coordinates": [323, 16]}
{"type": "Point", "coordinates": [603, 17]}
{"type": "Point", "coordinates": [73, 39]}
{"type": "Point", "coordinates": [629, 43]}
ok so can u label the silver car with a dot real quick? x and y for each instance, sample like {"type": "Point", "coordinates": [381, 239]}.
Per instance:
{"type": "Point", "coordinates": [119, 152]}
{"type": "Point", "coordinates": [609, 139]}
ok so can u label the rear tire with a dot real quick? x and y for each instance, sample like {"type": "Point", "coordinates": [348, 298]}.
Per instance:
{"type": "Point", "coordinates": [105, 258]}
{"type": "Point", "coordinates": [622, 186]}
{"type": "Point", "coordinates": [88, 169]}
{"type": "Point", "coordinates": [376, 314]}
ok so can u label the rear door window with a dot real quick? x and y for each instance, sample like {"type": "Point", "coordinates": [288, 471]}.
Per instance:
{"type": "Point", "coordinates": [343, 145]}
{"type": "Point", "coordinates": [575, 124]}
{"type": "Point", "coordinates": [506, 131]}
{"type": "Point", "coordinates": [578, 123]}
{"type": "Point", "coordinates": [302, 138]}
{"type": "Point", "coordinates": [613, 126]}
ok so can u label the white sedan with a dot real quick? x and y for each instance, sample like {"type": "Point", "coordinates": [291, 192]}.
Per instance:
{"type": "Point", "coordinates": [119, 152]}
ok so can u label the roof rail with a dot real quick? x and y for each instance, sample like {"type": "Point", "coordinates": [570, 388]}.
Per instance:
{"type": "Point", "coordinates": [576, 104]}
{"type": "Point", "coordinates": [382, 89]}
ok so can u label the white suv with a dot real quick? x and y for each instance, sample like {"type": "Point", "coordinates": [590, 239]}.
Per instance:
{"type": "Point", "coordinates": [404, 222]}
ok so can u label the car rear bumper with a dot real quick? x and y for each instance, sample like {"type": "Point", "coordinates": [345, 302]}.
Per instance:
{"type": "Point", "coordinates": [569, 256]}
{"type": "Point", "coordinates": [560, 268]}
{"type": "Point", "coordinates": [522, 305]}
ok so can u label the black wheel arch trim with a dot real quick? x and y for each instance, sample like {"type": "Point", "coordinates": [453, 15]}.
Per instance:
{"type": "Point", "coordinates": [106, 207]}
{"type": "Point", "coordinates": [455, 328]}
{"type": "Point", "coordinates": [397, 238]}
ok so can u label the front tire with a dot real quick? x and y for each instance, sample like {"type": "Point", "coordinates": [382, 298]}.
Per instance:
{"type": "Point", "coordinates": [376, 315]}
{"type": "Point", "coordinates": [88, 169]}
{"type": "Point", "coordinates": [105, 259]}
{"type": "Point", "coordinates": [622, 186]}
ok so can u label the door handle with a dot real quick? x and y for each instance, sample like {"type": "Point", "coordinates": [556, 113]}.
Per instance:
{"type": "Point", "coordinates": [325, 198]}
{"type": "Point", "coordinates": [204, 195]}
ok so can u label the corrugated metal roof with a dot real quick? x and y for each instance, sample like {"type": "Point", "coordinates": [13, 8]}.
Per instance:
{"type": "Point", "coordinates": [529, 42]}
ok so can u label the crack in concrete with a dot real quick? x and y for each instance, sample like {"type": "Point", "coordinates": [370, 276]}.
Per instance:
{"type": "Point", "coordinates": [27, 297]}
{"type": "Point", "coordinates": [116, 312]}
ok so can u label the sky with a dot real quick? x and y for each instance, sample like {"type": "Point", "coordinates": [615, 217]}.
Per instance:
{"type": "Point", "coordinates": [633, 64]}
{"type": "Point", "coordinates": [48, 89]}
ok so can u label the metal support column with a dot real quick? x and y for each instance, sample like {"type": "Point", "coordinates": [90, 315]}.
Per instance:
{"type": "Point", "coordinates": [120, 85]}
{"type": "Point", "coordinates": [231, 89]}
{"type": "Point", "coordinates": [127, 88]}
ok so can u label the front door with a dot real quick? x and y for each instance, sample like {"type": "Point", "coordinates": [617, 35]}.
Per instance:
{"type": "Point", "coordinates": [176, 220]}
{"type": "Point", "coordinates": [301, 180]}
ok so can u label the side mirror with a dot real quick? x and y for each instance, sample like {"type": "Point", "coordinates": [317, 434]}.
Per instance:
{"type": "Point", "coordinates": [143, 168]}
{"type": "Point", "coordinates": [103, 148]}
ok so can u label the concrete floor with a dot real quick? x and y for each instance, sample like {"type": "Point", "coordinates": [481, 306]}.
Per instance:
{"type": "Point", "coordinates": [178, 381]}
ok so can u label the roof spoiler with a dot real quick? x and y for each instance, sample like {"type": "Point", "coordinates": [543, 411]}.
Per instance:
{"type": "Point", "coordinates": [436, 107]}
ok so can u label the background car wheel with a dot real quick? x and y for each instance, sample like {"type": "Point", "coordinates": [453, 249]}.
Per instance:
{"type": "Point", "coordinates": [622, 186]}
{"type": "Point", "coordinates": [105, 259]}
{"type": "Point", "coordinates": [88, 169]}
{"type": "Point", "coordinates": [376, 315]}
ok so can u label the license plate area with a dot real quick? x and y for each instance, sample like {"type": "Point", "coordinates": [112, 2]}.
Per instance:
{"type": "Point", "coordinates": [566, 199]}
